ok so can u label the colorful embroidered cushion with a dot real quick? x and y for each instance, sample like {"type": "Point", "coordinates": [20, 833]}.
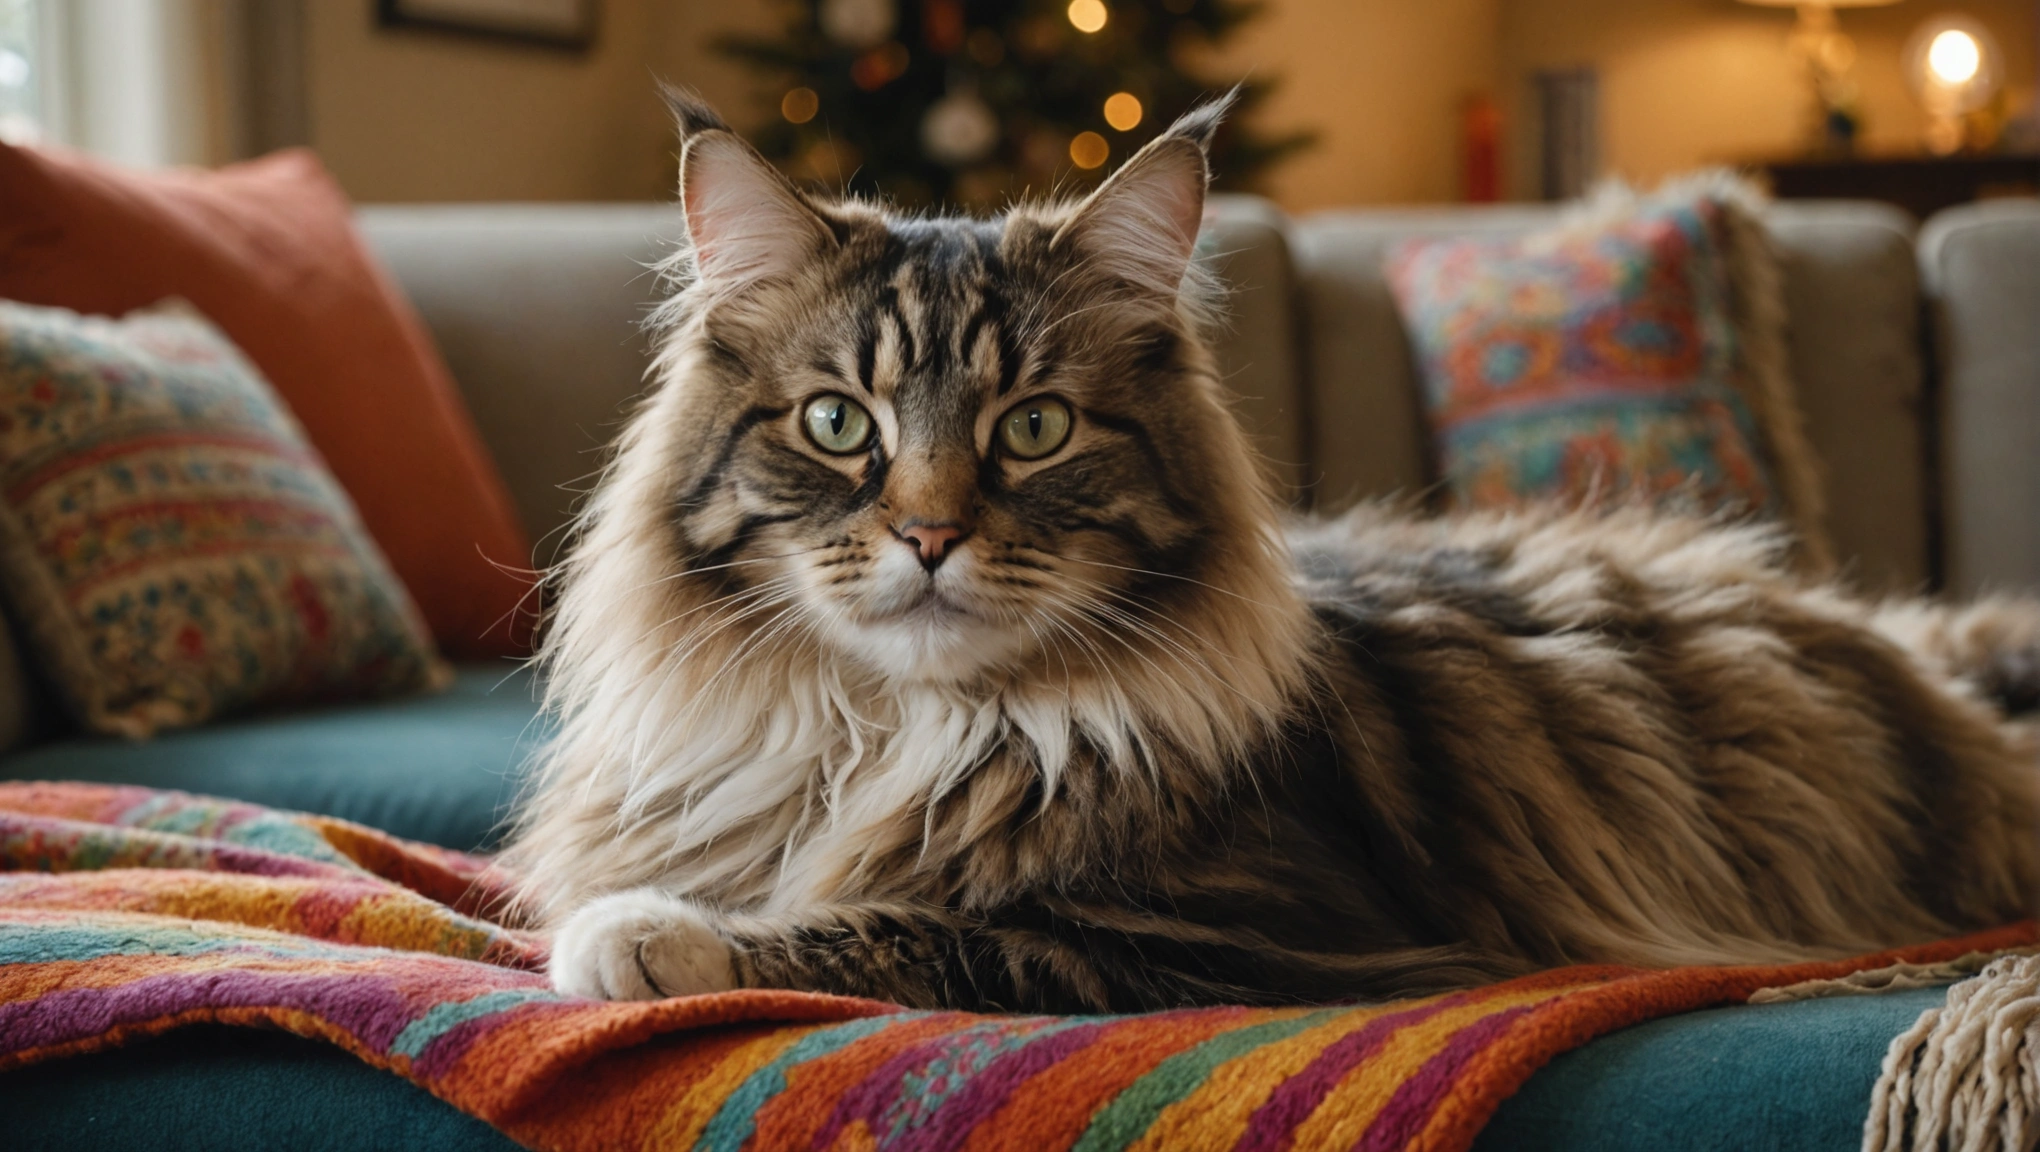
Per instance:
{"type": "Point", "coordinates": [1637, 354]}
{"type": "Point", "coordinates": [173, 547]}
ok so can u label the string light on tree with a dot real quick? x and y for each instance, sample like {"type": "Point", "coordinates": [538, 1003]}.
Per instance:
{"type": "Point", "coordinates": [800, 105]}
{"type": "Point", "coordinates": [1089, 150]}
{"type": "Point", "coordinates": [1122, 111]}
{"type": "Point", "coordinates": [1088, 16]}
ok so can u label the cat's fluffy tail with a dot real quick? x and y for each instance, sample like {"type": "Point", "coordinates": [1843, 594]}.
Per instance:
{"type": "Point", "coordinates": [1992, 644]}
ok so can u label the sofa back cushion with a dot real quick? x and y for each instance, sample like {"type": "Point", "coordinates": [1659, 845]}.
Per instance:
{"type": "Point", "coordinates": [537, 309]}
{"type": "Point", "coordinates": [1852, 304]}
{"type": "Point", "coordinates": [1981, 264]}
{"type": "Point", "coordinates": [1246, 242]}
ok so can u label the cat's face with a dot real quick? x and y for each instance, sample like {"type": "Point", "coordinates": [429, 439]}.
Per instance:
{"type": "Point", "coordinates": [944, 445]}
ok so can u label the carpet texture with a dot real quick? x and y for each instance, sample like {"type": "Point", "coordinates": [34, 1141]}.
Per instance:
{"type": "Point", "coordinates": [126, 912]}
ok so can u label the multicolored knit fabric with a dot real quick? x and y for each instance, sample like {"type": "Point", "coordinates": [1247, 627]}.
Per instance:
{"type": "Point", "coordinates": [127, 912]}
{"type": "Point", "coordinates": [1594, 362]}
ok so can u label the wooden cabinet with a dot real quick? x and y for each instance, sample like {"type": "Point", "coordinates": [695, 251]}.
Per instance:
{"type": "Point", "coordinates": [1921, 185]}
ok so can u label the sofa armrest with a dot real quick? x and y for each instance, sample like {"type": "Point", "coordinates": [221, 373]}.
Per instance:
{"type": "Point", "coordinates": [1981, 267]}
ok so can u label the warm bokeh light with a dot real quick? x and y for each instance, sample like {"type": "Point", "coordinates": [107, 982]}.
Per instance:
{"type": "Point", "coordinates": [1087, 15]}
{"type": "Point", "coordinates": [1955, 57]}
{"type": "Point", "coordinates": [800, 105]}
{"type": "Point", "coordinates": [829, 161]}
{"type": "Point", "coordinates": [1089, 150]}
{"type": "Point", "coordinates": [1122, 111]}
{"type": "Point", "coordinates": [880, 66]}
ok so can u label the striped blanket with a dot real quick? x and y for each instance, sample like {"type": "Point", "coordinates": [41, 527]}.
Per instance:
{"type": "Point", "coordinates": [127, 912]}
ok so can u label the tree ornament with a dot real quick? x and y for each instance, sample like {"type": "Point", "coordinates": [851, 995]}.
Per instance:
{"type": "Point", "coordinates": [959, 130]}
{"type": "Point", "coordinates": [858, 24]}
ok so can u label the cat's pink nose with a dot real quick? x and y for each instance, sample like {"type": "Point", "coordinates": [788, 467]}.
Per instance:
{"type": "Point", "coordinates": [933, 541]}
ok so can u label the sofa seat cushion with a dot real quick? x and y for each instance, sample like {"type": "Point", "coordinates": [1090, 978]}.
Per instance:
{"type": "Point", "coordinates": [1795, 1075]}
{"type": "Point", "coordinates": [218, 1087]}
{"type": "Point", "coordinates": [442, 769]}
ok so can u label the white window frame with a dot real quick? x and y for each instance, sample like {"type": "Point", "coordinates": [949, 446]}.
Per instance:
{"type": "Point", "coordinates": [125, 79]}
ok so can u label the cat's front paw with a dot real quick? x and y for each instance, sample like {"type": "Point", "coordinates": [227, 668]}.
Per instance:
{"type": "Point", "coordinates": [640, 945]}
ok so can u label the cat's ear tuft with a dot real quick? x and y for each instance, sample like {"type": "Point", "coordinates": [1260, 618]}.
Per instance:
{"type": "Point", "coordinates": [1141, 224]}
{"type": "Point", "coordinates": [746, 221]}
{"type": "Point", "coordinates": [691, 114]}
{"type": "Point", "coordinates": [1200, 124]}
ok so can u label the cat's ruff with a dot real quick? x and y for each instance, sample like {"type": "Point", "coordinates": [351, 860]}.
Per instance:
{"type": "Point", "coordinates": [1134, 742]}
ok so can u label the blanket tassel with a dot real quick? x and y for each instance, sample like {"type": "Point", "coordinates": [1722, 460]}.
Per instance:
{"type": "Point", "coordinates": [1966, 1075]}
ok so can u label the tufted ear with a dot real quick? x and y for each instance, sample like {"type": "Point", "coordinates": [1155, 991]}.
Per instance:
{"type": "Point", "coordinates": [691, 114]}
{"type": "Point", "coordinates": [1141, 224]}
{"type": "Point", "coordinates": [746, 220]}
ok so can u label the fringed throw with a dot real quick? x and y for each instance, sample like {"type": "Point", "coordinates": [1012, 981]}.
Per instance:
{"type": "Point", "coordinates": [126, 912]}
{"type": "Point", "coordinates": [1966, 1075]}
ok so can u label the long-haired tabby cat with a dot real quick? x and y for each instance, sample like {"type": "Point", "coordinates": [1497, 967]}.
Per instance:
{"type": "Point", "coordinates": [933, 637]}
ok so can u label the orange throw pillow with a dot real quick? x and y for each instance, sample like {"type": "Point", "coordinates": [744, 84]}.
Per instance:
{"type": "Point", "coordinates": [267, 250]}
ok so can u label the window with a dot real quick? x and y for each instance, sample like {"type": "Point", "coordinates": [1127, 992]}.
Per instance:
{"type": "Point", "coordinates": [21, 112]}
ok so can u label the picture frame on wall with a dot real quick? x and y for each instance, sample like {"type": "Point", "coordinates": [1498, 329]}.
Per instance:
{"type": "Point", "coordinates": [555, 23]}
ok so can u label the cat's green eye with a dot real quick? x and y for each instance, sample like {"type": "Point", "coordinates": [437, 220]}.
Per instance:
{"type": "Point", "coordinates": [838, 424]}
{"type": "Point", "coordinates": [1035, 428]}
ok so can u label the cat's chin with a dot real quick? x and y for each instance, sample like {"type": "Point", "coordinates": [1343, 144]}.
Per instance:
{"type": "Point", "coordinates": [934, 644]}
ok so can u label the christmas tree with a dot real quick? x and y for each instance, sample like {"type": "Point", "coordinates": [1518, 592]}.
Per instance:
{"type": "Point", "coordinates": [973, 102]}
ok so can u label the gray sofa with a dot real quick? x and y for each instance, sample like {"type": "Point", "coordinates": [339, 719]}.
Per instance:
{"type": "Point", "coordinates": [1917, 352]}
{"type": "Point", "coordinates": [1892, 327]}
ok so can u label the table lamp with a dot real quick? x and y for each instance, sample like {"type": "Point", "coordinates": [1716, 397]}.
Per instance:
{"type": "Point", "coordinates": [1953, 66]}
{"type": "Point", "coordinates": [1830, 58]}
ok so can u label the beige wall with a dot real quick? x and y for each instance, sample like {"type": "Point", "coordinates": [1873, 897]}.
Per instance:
{"type": "Point", "coordinates": [400, 114]}
{"type": "Point", "coordinates": [1692, 82]}
{"type": "Point", "coordinates": [1382, 81]}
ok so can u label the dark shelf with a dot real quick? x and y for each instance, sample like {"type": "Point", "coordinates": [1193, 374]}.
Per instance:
{"type": "Point", "coordinates": [1921, 185]}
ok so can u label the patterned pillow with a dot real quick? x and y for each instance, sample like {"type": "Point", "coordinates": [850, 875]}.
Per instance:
{"type": "Point", "coordinates": [1638, 352]}
{"type": "Point", "coordinates": [173, 546]}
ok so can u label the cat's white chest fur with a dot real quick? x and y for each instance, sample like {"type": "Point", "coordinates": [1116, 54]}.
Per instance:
{"type": "Point", "coordinates": [785, 793]}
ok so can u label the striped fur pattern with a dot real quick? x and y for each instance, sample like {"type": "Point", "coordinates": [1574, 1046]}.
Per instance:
{"type": "Point", "coordinates": [929, 715]}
